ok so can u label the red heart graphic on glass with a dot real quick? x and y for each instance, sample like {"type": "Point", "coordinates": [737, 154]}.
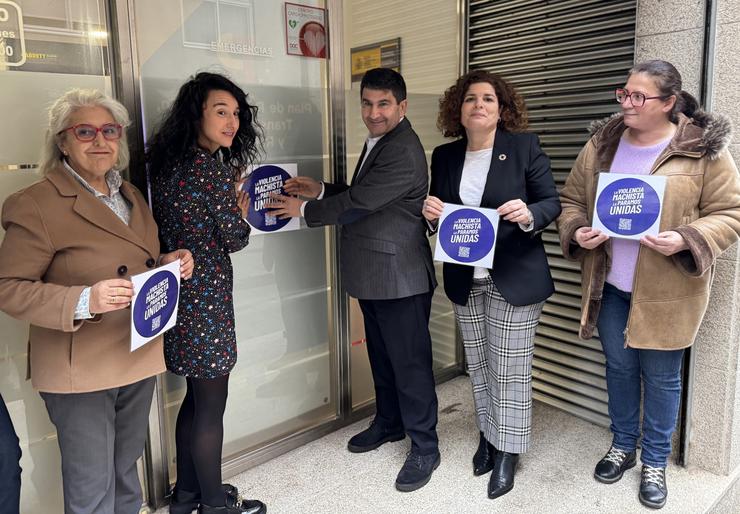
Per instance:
{"type": "Point", "coordinates": [312, 39]}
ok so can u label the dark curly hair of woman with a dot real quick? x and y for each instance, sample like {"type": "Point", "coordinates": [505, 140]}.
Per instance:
{"type": "Point", "coordinates": [176, 137]}
{"type": "Point", "coordinates": [513, 109]}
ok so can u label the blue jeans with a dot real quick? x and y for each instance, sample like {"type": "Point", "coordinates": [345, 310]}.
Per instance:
{"type": "Point", "coordinates": [627, 369]}
{"type": "Point", "coordinates": [10, 469]}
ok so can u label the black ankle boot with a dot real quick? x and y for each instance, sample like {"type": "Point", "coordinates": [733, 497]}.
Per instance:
{"type": "Point", "coordinates": [484, 457]}
{"type": "Point", "coordinates": [502, 478]}
{"type": "Point", "coordinates": [611, 468]}
{"type": "Point", "coordinates": [653, 488]}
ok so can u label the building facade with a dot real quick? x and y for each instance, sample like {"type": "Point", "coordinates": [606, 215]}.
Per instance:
{"type": "Point", "coordinates": [302, 368]}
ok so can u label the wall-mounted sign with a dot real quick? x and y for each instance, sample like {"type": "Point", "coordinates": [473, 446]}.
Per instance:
{"type": "Point", "coordinates": [305, 30]}
{"type": "Point", "coordinates": [386, 54]}
{"type": "Point", "coordinates": [12, 42]}
{"type": "Point", "coordinates": [60, 57]}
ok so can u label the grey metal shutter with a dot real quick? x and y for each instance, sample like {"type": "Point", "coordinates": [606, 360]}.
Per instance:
{"type": "Point", "coordinates": [566, 57]}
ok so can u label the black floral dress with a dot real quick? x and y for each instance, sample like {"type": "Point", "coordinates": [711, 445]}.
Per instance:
{"type": "Point", "coordinates": [195, 208]}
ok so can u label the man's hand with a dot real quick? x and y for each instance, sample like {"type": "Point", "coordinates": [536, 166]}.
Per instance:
{"type": "Point", "coordinates": [284, 207]}
{"type": "Point", "coordinates": [589, 238]}
{"type": "Point", "coordinates": [667, 243]}
{"type": "Point", "coordinates": [303, 186]}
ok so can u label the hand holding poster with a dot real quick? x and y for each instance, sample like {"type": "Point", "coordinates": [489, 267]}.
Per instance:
{"type": "Point", "coordinates": [467, 235]}
{"type": "Point", "coordinates": [628, 206]}
{"type": "Point", "coordinates": [154, 305]}
{"type": "Point", "coordinates": [262, 182]}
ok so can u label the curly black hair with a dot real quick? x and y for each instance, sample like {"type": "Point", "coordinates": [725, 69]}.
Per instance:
{"type": "Point", "coordinates": [176, 137]}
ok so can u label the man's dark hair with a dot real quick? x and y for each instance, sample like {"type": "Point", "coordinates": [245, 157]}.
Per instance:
{"type": "Point", "coordinates": [384, 79]}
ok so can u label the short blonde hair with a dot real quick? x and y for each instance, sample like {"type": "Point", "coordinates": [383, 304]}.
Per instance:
{"type": "Point", "coordinates": [61, 111]}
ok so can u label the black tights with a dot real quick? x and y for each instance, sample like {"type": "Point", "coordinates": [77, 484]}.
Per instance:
{"type": "Point", "coordinates": [199, 435]}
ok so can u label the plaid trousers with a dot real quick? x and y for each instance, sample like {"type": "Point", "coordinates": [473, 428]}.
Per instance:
{"type": "Point", "coordinates": [499, 345]}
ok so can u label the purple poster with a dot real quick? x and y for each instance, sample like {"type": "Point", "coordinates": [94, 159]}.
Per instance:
{"type": "Point", "coordinates": [628, 206]}
{"type": "Point", "coordinates": [467, 235]}
{"type": "Point", "coordinates": [262, 182]}
{"type": "Point", "coordinates": [154, 307]}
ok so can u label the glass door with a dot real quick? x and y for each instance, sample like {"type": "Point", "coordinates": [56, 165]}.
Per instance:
{"type": "Point", "coordinates": [46, 48]}
{"type": "Point", "coordinates": [285, 380]}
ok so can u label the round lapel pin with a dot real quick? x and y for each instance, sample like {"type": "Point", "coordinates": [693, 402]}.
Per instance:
{"type": "Point", "coordinates": [502, 157]}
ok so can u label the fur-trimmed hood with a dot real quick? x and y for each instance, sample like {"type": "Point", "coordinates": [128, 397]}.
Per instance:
{"type": "Point", "coordinates": [705, 134]}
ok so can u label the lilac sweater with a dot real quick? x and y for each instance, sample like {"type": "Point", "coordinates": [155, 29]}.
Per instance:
{"type": "Point", "coordinates": [637, 160]}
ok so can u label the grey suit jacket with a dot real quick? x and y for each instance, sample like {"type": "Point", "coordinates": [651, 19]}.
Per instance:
{"type": "Point", "coordinates": [384, 250]}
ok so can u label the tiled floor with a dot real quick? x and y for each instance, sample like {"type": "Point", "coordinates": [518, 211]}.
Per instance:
{"type": "Point", "coordinates": [555, 476]}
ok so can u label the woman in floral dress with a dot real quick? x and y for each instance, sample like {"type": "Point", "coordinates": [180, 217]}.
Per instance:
{"type": "Point", "coordinates": [209, 134]}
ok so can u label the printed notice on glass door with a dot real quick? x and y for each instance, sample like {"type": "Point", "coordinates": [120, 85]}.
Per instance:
{"type": "Point", "coordinates": [467, 235]}
{"type": "Point", "coordinates": [628, 206]}
{"type": "Point", "coordinates": [305, 30]}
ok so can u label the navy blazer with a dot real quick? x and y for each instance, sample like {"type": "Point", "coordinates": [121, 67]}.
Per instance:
{"type": "Point", "coordinates": [519, 169]}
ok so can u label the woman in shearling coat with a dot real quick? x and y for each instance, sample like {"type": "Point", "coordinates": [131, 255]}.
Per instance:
{"type": "Point", "coordinates": [648, 297]}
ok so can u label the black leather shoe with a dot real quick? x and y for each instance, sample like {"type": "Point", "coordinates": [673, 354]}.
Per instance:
{"type": "Point", "coordinates": [240, 507]}
{"type": "Point", "coordinates": [373, 437]}
{"type": "Point", "coordinates": [185, 502]}
{"type": "Point", "coordinates": [611, 468]}
{"type": "Point", "coordinates": [653, 489]}
{"type": "Point", "coordinates": [502, 478]}
{"type": "Point", "coordinates": [484, 457]}
{"type": "Point", "coordinates": [416, 471]}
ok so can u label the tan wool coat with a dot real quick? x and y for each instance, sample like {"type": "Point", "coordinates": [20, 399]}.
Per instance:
{"type": "Point", "coordinates": [701, 202]}
{"type": "Point", "coordinates": [60, 238]}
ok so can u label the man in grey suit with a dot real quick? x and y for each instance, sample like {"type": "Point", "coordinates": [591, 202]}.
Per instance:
{"type": "Point", "coordinates": [386, 263]}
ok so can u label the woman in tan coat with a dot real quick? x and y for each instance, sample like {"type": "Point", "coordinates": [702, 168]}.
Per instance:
{"type": "Point", "coordinates": [648, 297]}
{"type": "Point", "coordinates": [71, 241]}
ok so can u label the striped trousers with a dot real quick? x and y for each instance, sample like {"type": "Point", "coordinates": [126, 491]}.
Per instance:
{"type": "Point", "coordinates": [499, 345]}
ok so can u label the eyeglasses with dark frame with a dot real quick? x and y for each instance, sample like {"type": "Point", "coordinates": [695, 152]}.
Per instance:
{"type": "Point", "coordinates": [85, 132]}
{"type": "Point", "coordinates": [637, 98]}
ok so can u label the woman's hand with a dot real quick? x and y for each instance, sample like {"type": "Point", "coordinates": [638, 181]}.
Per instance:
{"type": "Point", "coordinates": [667, 243]}
{"type": "Point", "coordinates": [110, 295]}
{"type": "Point", "coordinates": [242, 198]}
{"type": "Point", "coordinates": [186, 262]}
{"type": "Point", "coordinates": [589, 238]}
{"type": "Point", "coordinates": [432, 208]}
{"type": "Point", "coordinates": [515, 211]}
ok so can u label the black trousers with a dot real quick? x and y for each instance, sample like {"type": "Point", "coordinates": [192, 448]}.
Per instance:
{"type": "Point", "coordinates": [10, 469]}
{"type": "Point", "coordinates": [400, 351]}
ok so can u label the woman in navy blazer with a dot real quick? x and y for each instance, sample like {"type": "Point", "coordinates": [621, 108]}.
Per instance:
{"type": "Point", "coordinates": [494, 164]}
